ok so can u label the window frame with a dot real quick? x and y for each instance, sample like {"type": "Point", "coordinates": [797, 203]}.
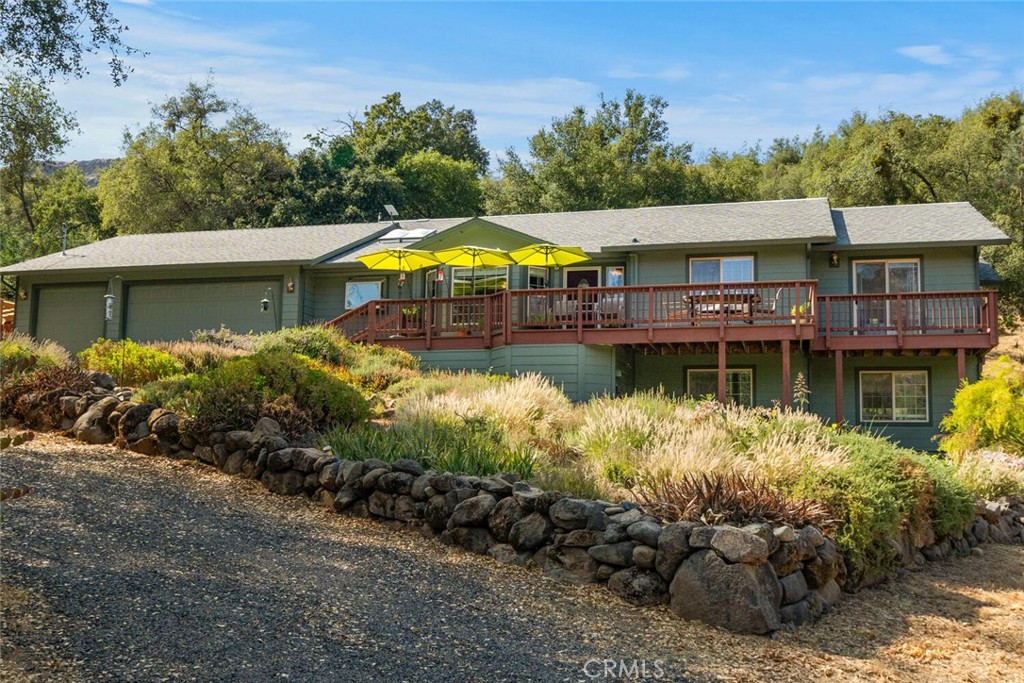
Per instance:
{"type": "Point", "coordinates": [892, 388]}
{"type": "Point", "coordinates": [575, 269]}
{"type": "Point", "coordinates": [714, 371]}
{"type": "Point", "coordinates": [728, 257]}
{"type": "Point", "coordinates": [473, 272]}
{"type": "Point", "coordinates": [349, 283]}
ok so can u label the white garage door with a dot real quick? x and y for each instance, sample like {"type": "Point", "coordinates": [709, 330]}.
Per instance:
{"type": "Point", "coordinates": [72, 316]}
{"type": "Point", "coordinates": [176, 310]}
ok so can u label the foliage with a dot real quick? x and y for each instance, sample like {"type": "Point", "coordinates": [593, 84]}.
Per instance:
{"type": "Point", "coordinates": [320, 343]}
{"type": "Point", "coordinates": [131, 363]}
{"type": "Point", "coordinates": [203, 163]}
{"type": "Point", "coordinates": [988, 413]}
{"type": "Point", "coordinates": [990, 474]}
{"type": "Point", "coordinates": [20, 351]}
{"type": "Point", "coordinates": [295, 422]}
{"type": "Point", "coordinates": [437, 186]}
{"type": "Point", "coordinates": [164, 392]}
{"type": "Point", "coordinates": [197, 356]}
{"type": "Point", "coordinates": [14, 387]}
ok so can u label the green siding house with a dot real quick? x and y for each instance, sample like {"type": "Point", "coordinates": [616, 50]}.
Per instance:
{"type": "Point", "coordinates": [880, 310]}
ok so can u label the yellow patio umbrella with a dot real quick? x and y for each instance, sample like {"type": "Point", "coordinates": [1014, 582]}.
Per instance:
{"type": "Point", "coordinates": [473, 258]}
{"type": "Point", "coordinates": [548, 255]}
{"type": "Point", "coordinates": [402, 260]}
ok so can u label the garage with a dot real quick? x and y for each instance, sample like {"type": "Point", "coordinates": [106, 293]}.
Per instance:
{"type": "Point", "coordinates": [71, 315]}
{"type": "Point", "coordinates": [175, 310]}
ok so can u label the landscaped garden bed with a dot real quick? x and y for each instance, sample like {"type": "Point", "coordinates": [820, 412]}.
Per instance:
{"type": "Point", "coordinates": [751, 519]}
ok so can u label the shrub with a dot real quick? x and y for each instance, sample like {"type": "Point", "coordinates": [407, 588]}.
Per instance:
{"type": "Point", "coordinates": [990, 474]}
{"type": "Point", "coordinates": [15, 388]}
{"type": "Point", "coordinates": [377, 372]}
{"type": "Point", "coordinates": [319, 343]}
{"type": "Point", "coordinates": [20, 352]}
{"type": "Point", "coordinates": [224, 337]}
{"type": "Point", "coordinates": [164, 392]}
{"type": "Point", "coordinates": [132, 364]}
{"type": "Point", "coordinates": [295, 422]}
{"type": "Point", "coordinates": [988, 413]}
{"type": "Point", "coordinates": [198, 356]}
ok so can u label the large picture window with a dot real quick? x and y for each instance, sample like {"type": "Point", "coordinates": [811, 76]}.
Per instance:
{"type": "Point", "coordinates": [358, 292]}
{"type": "Point", "coordinates": [722, 269]}
{"type": "Point", "coordinates": [739, 384]}
{"type": "Point", "coordinates": [894, 396]}
{"type": "Point", "coordinates": [479, 281]}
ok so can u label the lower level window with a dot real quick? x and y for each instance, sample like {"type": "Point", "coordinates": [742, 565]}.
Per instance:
{"type": "Point", "coordinates": [739, 385]}
{"type": "Point", "coordinates": [894, 396]}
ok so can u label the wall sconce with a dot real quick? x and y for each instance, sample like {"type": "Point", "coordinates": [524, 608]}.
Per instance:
{"type": "Point", "coordinates": [833, 259]}
{"type": "Point", "coordinates": [290, 287]}
{"type": "Point", "coordinates": [22, 294]}
{"type": "Point", "coordinates": [108, 299]}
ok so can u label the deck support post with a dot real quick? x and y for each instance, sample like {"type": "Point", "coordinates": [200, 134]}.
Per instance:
{"type": "Point", "coordinates": [721, 371]}
{"type": "Point", "coordinates": [786, 380]}
{"type": "Point", "coordinates": [839, 387]}
{"type": "Point", "coordinates": [961, 365]}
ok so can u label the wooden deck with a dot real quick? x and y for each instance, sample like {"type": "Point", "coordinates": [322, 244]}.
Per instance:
{"type": "Point", "coordinates": [743, 312]}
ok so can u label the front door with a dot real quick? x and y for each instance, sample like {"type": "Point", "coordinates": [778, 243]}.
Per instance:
{"type": "Point", "coordinates": [894, 276]}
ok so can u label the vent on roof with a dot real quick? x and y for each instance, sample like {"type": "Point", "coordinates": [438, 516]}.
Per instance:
{"type": "Point", "coordinates": [407, 235]}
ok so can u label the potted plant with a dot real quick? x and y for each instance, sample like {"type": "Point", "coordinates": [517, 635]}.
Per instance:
{"type": "Point", "coordinates": [800, 313]}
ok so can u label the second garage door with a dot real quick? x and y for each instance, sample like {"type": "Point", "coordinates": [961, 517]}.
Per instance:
{"type": "Point", "coordinates": [72, 316]}
{"type": "Point", "coordinates": [175, 311]}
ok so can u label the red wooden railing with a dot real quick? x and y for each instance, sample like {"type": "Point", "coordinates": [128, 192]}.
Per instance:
{"type": "Point", "coordinates": [846, 315]}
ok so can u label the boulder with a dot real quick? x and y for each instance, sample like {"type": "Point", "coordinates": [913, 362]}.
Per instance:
{"type": "Point", "coordinates": [618, 554]}
{"type": "Point", "coordinates": [628, 517]}
{"type": "Point", "coordinates": [784, 534]}
{"type": "Point", "coordinates": [786, 559]}
{"type": "Point", "coordinates": [164, 424]}
{"type": "Point", "coordinates": [92, 427]}
{"type": "Point", "coordinates": [473, 512]}
{"type": "Point", "coordinates": [329, 476]}
{"type": "Point", "coordinates": [531, 532]}
{"type": "Point", "coordinates": [505, 514]}
{"type": "Point", "coordinates": [700, 536]}
{"type": "Point", "coordinates": [407, 509]}
{"type": "Point", "coordinates": [287, 483]}
{"type": "Point", "coordinates": [496, 485]}
{"type": "Point", "coordinates": [614, 533]}
{"type": "Point", "coordinates": [639, 586]}
{"type": "Point", "coordinates": [437, 512]}
{"type": "Point", "coordinates": [673, 548]}
{"type": "Point", "coordinates": [238, 440]}
{"type": "Point", "coordinates": [818, 573]}
{"type": "Point", "coordinates": [794, 588]}
{"type": "Point", "coordinates": [369, 480]}
{"type": "Point", "coordinates": [576, 513]}
{"type": "Point", "coordinates": [526, 495]}
{"type": "Point", "coordinates": [420, 487]}
{"type": "Point", "coordinates": [583, 538]}
{"type": "Point", "coordinates": [744, 598]}
{"type": "Point", "coordinates": [381, 504]}
{"type": "Point", "coordinates": [408, 466]}
{"type": "Point", "coordinates": [830, 593]}
{"type": "Point", "coordinates": [204, 454]}
{"type": "Point", "coordinates": [739, 545]}
{"type": "Point", "coordinates": [574, 565]}
{"type": "Point", "coordinates": [280, 461]}
{"type": "Point", "coordinates": [506, 554]}
{"type": "Point", "coordinates": [233, 465]}
{"type": "Point", "coordinates": [68, 406]}
{"type": "Point", "coordinates": [345, 498]}
{"type": "Point", "coordinates": [101, 380]}
{"type": "Point", "coordinates": [645, 532]}
{"type": "Point", "coordinates": [645, 556]}
{"type": "Point", "coordinates": [474, 539]}
{"type": "Point", "coordinates": [766, 533]}
{"type": "Point", "coordinates": [265, 428]}
{"type": "Point", "coordinates": [396, 482]}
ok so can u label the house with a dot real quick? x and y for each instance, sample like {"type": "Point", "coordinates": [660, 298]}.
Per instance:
{"type": "Point", "coordinates": [879, 309]}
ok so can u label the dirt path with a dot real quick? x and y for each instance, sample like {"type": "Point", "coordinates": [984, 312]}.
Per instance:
{"type": "Point", "coordinates": [121, 567]}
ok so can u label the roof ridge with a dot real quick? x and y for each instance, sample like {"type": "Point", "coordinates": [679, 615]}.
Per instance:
{"type": "Point", "coordinates": [662, 207]}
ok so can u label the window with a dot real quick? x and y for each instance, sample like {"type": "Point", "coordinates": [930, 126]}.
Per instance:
{"type": "Point", "coordinates": [582, 277]}
{"type": "Point", "coordinates": [538, 278]}
{"type": "Point", "coordinates": [894, 396]}
{"type": "Point", "coordinates": [479, 281]}
{"type": "Point", "coordinates": [722, 269]}
{"type": "Point", "coordinates": [614, 276]}
{"type": "Point", "coordinates": [739, 385]}
{"type": "Point", "coordinates": [358, 293]}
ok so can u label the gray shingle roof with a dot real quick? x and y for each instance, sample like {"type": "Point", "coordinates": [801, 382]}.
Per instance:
{"type": "Point", "coordinates": [302, 244]}
{"type": "Point", "coordinates": [909, 224]}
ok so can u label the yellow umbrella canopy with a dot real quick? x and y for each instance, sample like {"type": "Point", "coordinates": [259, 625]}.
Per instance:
{"type": "Point", "coordinates": [402, 260]}
{"type": "Point", "coordinates": [548, 255]}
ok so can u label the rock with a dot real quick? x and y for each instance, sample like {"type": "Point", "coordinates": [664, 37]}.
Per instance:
{"type": "Point", "coordinates": [766, 533]}
{"type": "Point", "coordinates": [797, 614]}
{"type": "Point", "coordinates": [818, 573]}
{"type": "Point", "coordinates": [931, 553]}
{"type": "Point", "coordinates": [329, 476]}
{"type": "Point", "coordinates": [540, 557]}
{"type": "Point", "coordinates": [311, 483]}
{"type": "Point", "coordinates": [673, 548]}
{"type": "Point", "coordinates": [164, 424]}
{"type": "Point", "coordinates": [506, 554]}
{"type": "Point", "coordinates": [576, 513]}
{"type": "Point", "coordinates": [794, 588]}
{"type": "Point", "coordinates": [526, 496]}
{"type": "Point", "coordinates": [407, 509]}
{"type": "Point", "coordinates": [345, 498]}
{"type": "Point", "coordinates": [204, 454]}
{"type": "Point", "coordinates": [396, 482]}
{"type": "Point", "coordinates": [530, 532]}
{"type": "Point", "coordinates": [149, 445]}
{"type": "Point", "coordinates": [288, 483]}
{"type": "Point", "coordinates": [443, 483]}
{"type": "Point", "coordinates": [739, 545]}
{"type": "Point", "coordinates": [614, 510]}
{"type": "Point", "coordinates": [134, 424]}
{"type": "Point", "coordinates": [381, 504]}
{"type": "Point", "coordinates": [220, 455]}
{"type": "Point", "coordinates": [743, 598]}
{"type": "Point", "coordinates": [101, 379]}
{"type": "Point", "coordinates": [628, 517]}
{"type": "Point", "coordinates": [582, 538]}
{"type": "Point", "coordinates": [280, 461]}
{"type": "Point", "coordinates": [784, 534]}
{"type": "Point", "coordinates": [700, 536]}
{"type": "Point", "coordinates": [645, 532]}
{"type": "Point", "coordinates": [474, 539]}
{"type": "Point", "coordinates": [369, 480]}
{"type": "Point", "coordinates": [420, 486]}
{"type": "Point", "coordinates": [305, 459]}
{"type": "Point", "coordinates": [806, 541]}
{"type": "Point", "coordinates": [473, 512]}
{"type": "Point", "coordinates": [574, 565]}
{"type": "Point", "coordinates": [233, 465]}
{"type": "Point", "coordinates": [92, 426]}
{"type": "Point", "coordinates": [458, 495]}
{"type": "Point", "coordinates": [618, 554]}
{"type": "Point", "coordinates": [265, 428]}
{"type": "Point", "coordinates": [614, 533]}
{"type": "Point", "coordinates": [68, 406]}
{"type": "Point", "coordinates": [605, 571]}
{"type": "Point", "coordinates": [812, 535]}
{"type": "Point", "coordinates": [238, 440]}
{"type": "Point", "coordinates": [408, 466]}
{"type": "Point", "coordinates": [496, 485]}
{"type": "Point", "coordinates": [644, 556]}
{"type": "Point", "coordinates": [830, 593]}
{"type": "Point", "coordinates": [992, 512]}
{"type": "Point", "coordinates": [639, 586]}
{"type": "Point", "coordinates": [437, 512]}
{"type": "Point", "coordinates": [980, 529]}
{"type": "Point", "coordinates": [274, 443]}
{"type": "Point", "coordinates": [505, 514]}
{"type": "Point", "coordinates": [547, 499]}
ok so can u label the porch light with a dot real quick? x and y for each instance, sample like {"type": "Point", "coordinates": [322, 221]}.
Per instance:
{"type": "Point", "coordinates": [22, 294]}
{"type": "Point", "coordinates": [833, 259]}
{"type": "Point", "coordinates": [108, 299]}
{"type": "Point", "coordinates": [290, 287]}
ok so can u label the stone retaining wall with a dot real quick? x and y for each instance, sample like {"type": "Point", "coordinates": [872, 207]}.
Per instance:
{"type": "Point", "coordinates": [753, 579]}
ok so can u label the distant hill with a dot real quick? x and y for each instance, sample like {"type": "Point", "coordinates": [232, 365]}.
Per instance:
{"type": "Point", "coordinates": [91, 168]}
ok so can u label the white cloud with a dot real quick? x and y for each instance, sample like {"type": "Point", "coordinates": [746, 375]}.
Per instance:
{"type": "Point", "coordinates": [670, 73]}
{"type": "Point", "coordinates": [929, 54]}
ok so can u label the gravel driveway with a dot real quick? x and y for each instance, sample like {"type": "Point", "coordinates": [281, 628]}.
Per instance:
{"type": "Point", "coordinates": [122, 567]}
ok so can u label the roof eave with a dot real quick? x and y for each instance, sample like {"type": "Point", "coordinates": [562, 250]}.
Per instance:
{"type": "Point", "coordinates": [715, 245]}
{"type": "Point", "coordinates": [905, 245]}
{"type": "Point", "coordinates": [13, 270]}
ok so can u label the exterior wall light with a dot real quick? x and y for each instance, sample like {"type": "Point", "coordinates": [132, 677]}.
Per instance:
{"type": "Point", "coordinates": [833, 259]}
{"type": "Point", "coordinates": [290, 287]}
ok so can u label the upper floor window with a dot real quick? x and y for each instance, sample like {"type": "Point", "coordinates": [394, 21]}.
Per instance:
{"type": "Point", "coordinates": [722, 269]}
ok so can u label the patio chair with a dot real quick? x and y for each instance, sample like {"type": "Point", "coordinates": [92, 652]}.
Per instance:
{"type": "Point", "coordinates": [768, 307]}
{"type": "Point", "coordinates": [563, 311]}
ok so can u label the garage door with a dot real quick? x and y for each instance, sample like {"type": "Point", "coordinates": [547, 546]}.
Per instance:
{"type": "Point", "coordinates": [174, 311]}
{"type": "Point", "coordinates": [70, 316]}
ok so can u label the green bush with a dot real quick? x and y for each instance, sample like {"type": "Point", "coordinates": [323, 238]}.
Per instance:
{"type": "Point", "coordinates": [988, 413]}
{"type": "Point", "coordinates": [21, 352]}
{"type": "Point", "coordinates": [319, 343]}
{"type": "Point", "coordinates": [166, 391]}
{"type": "Point", "coordinates": [198, 356]}
{"type": "Point", "coordinates": [132, 364]}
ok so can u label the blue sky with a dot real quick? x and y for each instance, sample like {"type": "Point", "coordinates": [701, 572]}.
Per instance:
{"type": "Point", "coordinates": [732, 73]}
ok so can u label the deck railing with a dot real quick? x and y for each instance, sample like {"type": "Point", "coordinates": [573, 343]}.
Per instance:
{"type": "Point", "coordinates": [847, 315]}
